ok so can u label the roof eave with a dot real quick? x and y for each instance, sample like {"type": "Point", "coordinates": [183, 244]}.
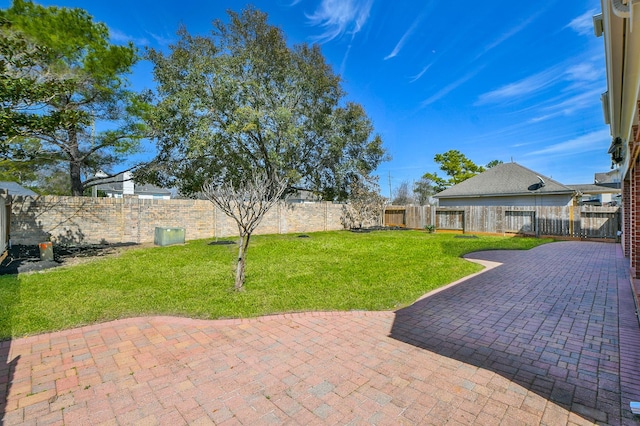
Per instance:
{"type": "Point", "coordinates": [515, 194]}
{"type": "Point", "coordinates": [622, 53]}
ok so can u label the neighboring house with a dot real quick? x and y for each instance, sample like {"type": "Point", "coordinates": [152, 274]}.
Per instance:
{"type": "Point", "coordinates": [507, 184]}
{"type": "Point", "coordinates": [15, 189]}
{"type": "Point", "coordinates": [303, 196]}
{"type": "Point", "coordinates": [609, 178]}
{"type": "Point", "coordinates": [123, 184]}
{"type": "Point", "coordinates": [605, 194]}
{"type": "Point", "coordinates": [619, 23]}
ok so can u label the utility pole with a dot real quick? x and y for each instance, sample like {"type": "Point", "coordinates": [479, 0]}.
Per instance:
{"type": "Point", "coordinates": [390, 196]}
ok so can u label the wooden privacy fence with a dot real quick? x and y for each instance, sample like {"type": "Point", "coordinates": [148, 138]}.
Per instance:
{"type": "Point", "coordinates": [394, 217]}
{"type": "Point", "coordinates": [574, 221]}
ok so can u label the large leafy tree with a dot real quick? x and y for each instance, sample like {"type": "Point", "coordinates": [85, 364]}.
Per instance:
{"type": "Point", "coordinates": [457, 166]}
{"type": "Point", "coordinates": [240, 99]}
{"type": "Point", "coordinates": [60, 77]}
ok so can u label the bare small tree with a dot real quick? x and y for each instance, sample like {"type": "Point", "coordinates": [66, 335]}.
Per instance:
{"type": "Point", "coordinates": [246, 203]}
{"type": "Point", "coordinates": [365, 205]}
{"type": "Point", "coordinates": [404, 195]}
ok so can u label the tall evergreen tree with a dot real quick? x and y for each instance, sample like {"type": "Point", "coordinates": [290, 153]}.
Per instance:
{"type": "Point", "coordinates": [59, 76]}
{"type": "Point", "coordinates": [457, 166]}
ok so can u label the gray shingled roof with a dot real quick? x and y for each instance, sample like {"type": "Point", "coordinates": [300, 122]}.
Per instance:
{"type": "Point", "coordinates": [591, 188]}
{"type": "Point", "coordinates": [612, 176]}
{"type": "Point", "coordinates": [16, 189]}
{"type": "Point", "coordinates": [504, 180]}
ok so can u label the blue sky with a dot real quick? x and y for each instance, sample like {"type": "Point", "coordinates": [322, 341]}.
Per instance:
{"type": "Point", "coordinates": [496, 80]}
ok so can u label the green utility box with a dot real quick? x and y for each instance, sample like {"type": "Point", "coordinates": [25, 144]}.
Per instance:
{"type": "Point", "coordinates": [168, 236]}
{"type": "Point", "coordinates": [46, 251]}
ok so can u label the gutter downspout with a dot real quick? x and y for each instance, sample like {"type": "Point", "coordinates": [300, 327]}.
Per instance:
{"type": "Point", "coordinates": [631, 74]}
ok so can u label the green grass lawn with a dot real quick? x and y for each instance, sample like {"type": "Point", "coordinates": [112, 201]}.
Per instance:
{"type": "Point", "coordinates": [285, 273]}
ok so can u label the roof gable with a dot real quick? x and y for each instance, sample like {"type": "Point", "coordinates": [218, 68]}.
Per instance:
{"type": "Point", "coordinates": [612, 176]}
{"type": "Point", "coordinates": [504, 180]}
{"type": "Point", "coordinates": [17, 189]}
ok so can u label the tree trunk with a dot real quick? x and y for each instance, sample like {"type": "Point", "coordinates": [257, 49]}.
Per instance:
{"type": "Point", "coordinates": [242, 254]}
{"type": "Point", "coordinates": [74, 166]}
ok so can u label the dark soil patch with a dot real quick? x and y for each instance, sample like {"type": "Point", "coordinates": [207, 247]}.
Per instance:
{"type": "Point", "coordinates": [221, 243]}
{"type": "Point", "coordinates": [379, 228]}
{"type": "Point", "coordinates": [24, 258]}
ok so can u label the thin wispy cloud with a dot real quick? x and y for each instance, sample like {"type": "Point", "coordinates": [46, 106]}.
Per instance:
{"type": "Point", "coordinates": [521, 88]}
{"type": "Point", "coordinates": [576, 79]}
{"type": "Point", "coordinates": [449, 88]}
{"type": "Point", "coordinates": [120, 37]}
{"type": "Point", "coordinates": [520, 134]}
{"type": "Point", "coordinates": [511, 132]}
{"type": "Point", "coordinates": [508, 34]}
{"type": "Point", "coordinates": [340, 17]}
{"type": "Point", "coordinates": [403, 39]}
{"type": "Point", "coordinates": [541, 118]}
{"type": "Point", "coordinates": [421, 73]}
{"type": "Point", "coordinates": [584, 71]}
{"type": "Point", "coordinates": [161, 40]}
{"type": "Point", "coordinates": [520, 145]}
{"type": "Point", "coordinates": [407, 34]}
{"type": "Point", "coordinates": [343, 64]}
{"type": "Point", "coordinates": [569, 106]}
{"type": "Point", "coordinates": [583, 24]}
{"type": "Point", "coordinates": [585, 77]}
{"type": "Point", "coordinates": [594, 141]}
{"type": "Point", "coordinates": [449, 46]}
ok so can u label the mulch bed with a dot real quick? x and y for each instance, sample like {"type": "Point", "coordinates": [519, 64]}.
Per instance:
{"type": "Point", "coordinates": [222, 243]}
{"type": "Point", "coordinates": [379, 228]}
{"type": "Point", "coordinates": [25, 258]}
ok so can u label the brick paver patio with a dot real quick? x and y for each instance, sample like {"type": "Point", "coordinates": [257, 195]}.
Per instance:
{"type": "Point", "coordinates": [547, 337]}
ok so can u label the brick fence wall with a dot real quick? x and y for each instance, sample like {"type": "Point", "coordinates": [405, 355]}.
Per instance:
{"type": "Point", "coordinates": [84, 220]}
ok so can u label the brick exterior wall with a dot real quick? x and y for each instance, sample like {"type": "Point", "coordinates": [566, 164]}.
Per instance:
{"type": "Point", "coordinates": [626, 217]}
{"type": "Point", "coordinates": [634, 200]}
{"type": "Point", "coordinates": [84, 220]}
